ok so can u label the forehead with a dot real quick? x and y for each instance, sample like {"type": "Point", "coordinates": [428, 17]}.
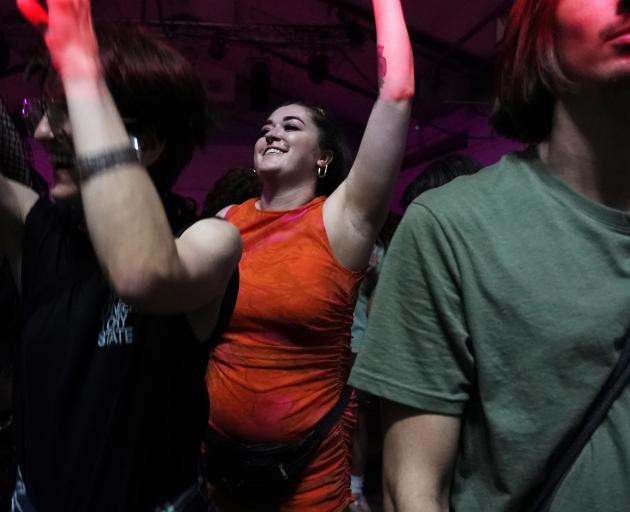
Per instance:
{"type": "Point", "coordinates": [295, 111]}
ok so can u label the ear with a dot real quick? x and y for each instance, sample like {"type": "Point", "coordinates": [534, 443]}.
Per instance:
{"type": "Point", "coordinates": [326, 157]}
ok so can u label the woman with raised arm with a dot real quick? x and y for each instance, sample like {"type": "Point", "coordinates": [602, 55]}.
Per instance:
{"type": "Point", "coordinates": [276, 379]}
{"type": "Point", "coordinates": [110, 395]}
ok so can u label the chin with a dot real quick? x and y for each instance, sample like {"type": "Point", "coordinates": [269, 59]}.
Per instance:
{"type": "Point", "coordinates": [618, 83]}
{"type": "Point", "coordinates": [64, 186]}
{"type": "Point", "coordinates": [63, 193]}
{"type": "Point", "coordinates": [618, 71]}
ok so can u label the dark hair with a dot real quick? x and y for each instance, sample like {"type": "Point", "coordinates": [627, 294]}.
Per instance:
{"type": "Point", "coordinates": [527, 73]}
{"type": "Point", "coordinates": [155, 84]}
{"type": "Point", "coordinates": [181, 211]}
{"type": "Point", "coordinates": [332, 138]}
{"type": "Point", "coordinates": [237, 185]}
{"type": "Point", "coordinates": [438, 173]}
{"type": "Point", "coordinates": [158, 89]}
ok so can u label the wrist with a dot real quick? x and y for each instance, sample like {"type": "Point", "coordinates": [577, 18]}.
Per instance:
{"type": "Point", "coordinates": [88, 166]}
{"type": "Point", "coordinates": [75, 61]}
{"type": "Point", "coordinates": [84, 83]}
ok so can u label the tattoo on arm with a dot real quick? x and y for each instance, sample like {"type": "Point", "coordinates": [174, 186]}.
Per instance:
{"type": "Point", "coordinates": [382, 66]}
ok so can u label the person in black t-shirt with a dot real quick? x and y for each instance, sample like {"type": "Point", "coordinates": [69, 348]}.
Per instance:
{"type": "Point", "coordinates": [119, 315]}
{"type": "Point", "coordinates": [15, 162]}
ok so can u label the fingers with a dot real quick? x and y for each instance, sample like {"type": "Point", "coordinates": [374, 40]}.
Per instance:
{"type": "Point", "coordinates": [34, 13]}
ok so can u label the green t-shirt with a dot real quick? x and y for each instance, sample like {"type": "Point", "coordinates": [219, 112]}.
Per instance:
{"type": "Point", "coordinates": [504, 299]}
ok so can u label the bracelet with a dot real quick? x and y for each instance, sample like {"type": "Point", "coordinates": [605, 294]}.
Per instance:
{"type": "Point", "coordinates": [91, 165]}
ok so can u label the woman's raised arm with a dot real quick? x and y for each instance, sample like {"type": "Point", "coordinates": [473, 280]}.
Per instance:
{"type": "Point", "coordinates": [355, 212]}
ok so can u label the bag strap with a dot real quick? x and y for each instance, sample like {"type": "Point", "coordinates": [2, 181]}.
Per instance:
{"type": "Point", "coordinates": [595, 414]}
{"type": "Point", "coordinates": [324, 425]}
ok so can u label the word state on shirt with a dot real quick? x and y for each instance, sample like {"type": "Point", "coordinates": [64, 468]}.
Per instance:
{"type": "Point", "coordinates": [116, 330]}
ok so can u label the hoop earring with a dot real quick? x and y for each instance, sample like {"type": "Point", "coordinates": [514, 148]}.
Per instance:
{"type": "Point", "coordinates": [322, 171]}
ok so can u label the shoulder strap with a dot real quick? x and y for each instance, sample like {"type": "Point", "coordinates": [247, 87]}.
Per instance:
{"type": "Point", "coordinates": [595, 414]}
{"type": "Point", "coordinates": [324, 425]}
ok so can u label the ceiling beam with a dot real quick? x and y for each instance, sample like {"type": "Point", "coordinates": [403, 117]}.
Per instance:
{"type": "Point", "coordinates": [351, 86]}
{"type": "Point", "coordinates": [431, 47]}
{"type": "Point", "coordinates": [495, 13]}
{"type": "Point", "coordinates": [303, 36]}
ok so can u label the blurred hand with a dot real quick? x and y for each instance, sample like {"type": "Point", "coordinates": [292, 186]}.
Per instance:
{"type": "Point", "coordinates": [68, 32]}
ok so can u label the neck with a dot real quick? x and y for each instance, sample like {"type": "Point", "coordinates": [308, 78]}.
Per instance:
{"type": "Point", "coordinates": [274, 197]}
{"type": "Point", "coordinates": [589, 146]}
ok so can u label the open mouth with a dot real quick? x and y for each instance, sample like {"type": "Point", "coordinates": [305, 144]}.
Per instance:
{"type": "Point", "coordinates": [273, 151]}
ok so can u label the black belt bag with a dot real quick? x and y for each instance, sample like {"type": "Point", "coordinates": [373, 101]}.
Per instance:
{"type": "Point", "coordinates": [264, 474]}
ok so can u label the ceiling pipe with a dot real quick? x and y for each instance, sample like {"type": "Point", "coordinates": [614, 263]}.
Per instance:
{"type": "Point", "coordinates": [456, 47]}
{"type": "Point", "coordinates": [331, 78]}
{"type": "Point", "coordinates": [310, 36]}
{"type": "Point", "coordinates": [428, 45]}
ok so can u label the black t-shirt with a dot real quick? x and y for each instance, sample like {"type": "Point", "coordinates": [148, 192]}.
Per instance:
{"type": "Point", "coordinates": [110, 403]}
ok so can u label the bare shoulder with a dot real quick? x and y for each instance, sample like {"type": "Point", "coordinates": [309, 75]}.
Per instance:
{"type": "Point", "coordinates": [215, 233]}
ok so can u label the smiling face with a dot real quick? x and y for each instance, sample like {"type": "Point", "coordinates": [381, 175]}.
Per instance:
{"type": "Point", "coordinates": [288, 146]}
{"type": "Point", "coordinates": [593, 40]}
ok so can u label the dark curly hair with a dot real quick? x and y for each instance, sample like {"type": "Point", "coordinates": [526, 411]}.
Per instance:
{"type": "Point", "coordinates": [438, 173]}
{"type": "Point", "coordinates": [237, 185]}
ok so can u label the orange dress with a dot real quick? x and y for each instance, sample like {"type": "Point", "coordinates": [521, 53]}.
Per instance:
{"type": "Point", "coordinates": [284, 359]}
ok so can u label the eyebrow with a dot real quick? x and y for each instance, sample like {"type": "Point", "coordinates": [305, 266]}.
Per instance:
{"type": "Point", "coordinates": [286, 118]}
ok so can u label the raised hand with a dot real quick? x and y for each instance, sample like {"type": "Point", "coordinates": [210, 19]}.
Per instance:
{"type": "Point", "coordinates": [68, 32]}
{"type": "Point", "coordinates": [395, 58]}
{"type": "Point", "coordinates": [34, 13]}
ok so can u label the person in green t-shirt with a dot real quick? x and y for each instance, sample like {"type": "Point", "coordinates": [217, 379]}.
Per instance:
{"type": "Point", "coordinates": [504, 297]}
